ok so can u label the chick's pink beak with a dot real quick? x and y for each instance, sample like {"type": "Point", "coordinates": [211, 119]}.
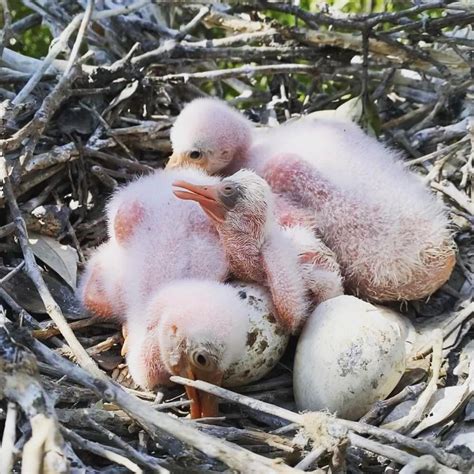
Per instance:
{"type": "Point", "coordinates": [207, 196]}
{"type": "Point", "coordinates": [202, 404]}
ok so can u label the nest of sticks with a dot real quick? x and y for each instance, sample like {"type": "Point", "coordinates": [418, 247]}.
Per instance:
{"type": "Point", "coordinates": [96, 112]}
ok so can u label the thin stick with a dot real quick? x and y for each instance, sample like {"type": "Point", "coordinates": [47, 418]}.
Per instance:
{"type": "Point", "coordinates": [437, 153]}
{"type": "Point", "coordinates": [12, 273]}
{"type": "Point", "coordinates": [242, 399]}
{"type": "Point", "coordinates": [6, 32]}
{"type": "Point", "coordinates": [100, 450]}
{"type": "Point", "coordinates": [144, 460]}
{"type": "Point", "coordinates": [311, 458]}
{"type": "Point", "coordinates": [61, 42]}
{"type": "Point", "coordinates": [401, 457]}
{"type": "Point", "coordinates": [416, 412]}
{"type": "Point", "coordinates": [7, 450]}
{"type": "Point", "coordinates": [80, 35]}
{"type": "Point", "coordinates": [33, 271]}
{"type": "Point", "coordinates": [449, 327]}
{"type": "Point", "coordinates": [241, 71]}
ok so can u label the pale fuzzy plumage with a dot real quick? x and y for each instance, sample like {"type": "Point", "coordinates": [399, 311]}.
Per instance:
{"type": "Point", "coordinates": [247, 226]}
{"type": "Point", "coordinates": [204, 125]}
{"type": "Point", "coordinates": [382, 244]}
{"type": "Point", "coordinates": [173, 239]}
{"type": "Point", "coordinates": [186, 315]}
{"type": "Point", "coordinates": [385, 227]}
{"type": "Point", "coordinates": [320, 269]}
{"type": "Point", "coordinates": [103, 276]}
{"type": "Point", "coordinates": [260, 250]}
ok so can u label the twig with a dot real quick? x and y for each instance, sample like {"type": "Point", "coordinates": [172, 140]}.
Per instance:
{"type": "Point", "coordinates": [6, 31]}
{"type": "Point", "coordinates": [186, 29]}
{"type": "Point", "coordinates": [143, 460]}
{"type": "Point", "coordinates": [12, 273]}
{"type": "Point", "coordinates": [310, 459]}
{"type": "Point", "coordinates": [80, 34]}
{"type": "Point", "coordinates": [437, 153]}
{"type": "Point", "coordinates": [100, 450]}
{"type": "Point", "coordinates": [406, 423]}
{"type": "Point", "coordinates": [7, 449]}
{"type": "Point", "coordinates": [401, 457]}
{"type": "Point", "coordinates": [447, 329]}
{"type": "Point", "coordinates": [240, 71]}
{"type": "Point", "coordinates": [460, 198]}
{"type": "Point", "coordinates": [423, 463]}
{"type": "Point", "coordinates": [51, 331]}
{"type": "Point", "coordinates": [19, 383]}
{"type": "Point", "coordinates": [390, 436]}
{"type": "Point", "coordinates": [35, 127]}
{"type": "Point", "coordinates": [33, 271]}
{"type": "Point", "coordinates": [381, 407]}
{"type": "Point", "coordinates": [61, 43]}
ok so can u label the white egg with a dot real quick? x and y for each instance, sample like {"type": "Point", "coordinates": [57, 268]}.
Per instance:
{"type": "Point", "coordinates": [349, 355]}
{"type": "Point", "coordinates": [266, 341]}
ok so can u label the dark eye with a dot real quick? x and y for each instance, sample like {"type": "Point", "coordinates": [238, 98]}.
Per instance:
{"type": "Point", "coordinates": [195, 154]}
{"type": "Point", "coordinates": [201, 360]}
{"type": "Point", "coordinates": [228, 189]}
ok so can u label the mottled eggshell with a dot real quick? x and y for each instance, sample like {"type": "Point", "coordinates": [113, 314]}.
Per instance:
{"type": "Point", "coordinates": [349, 355]}
{"type": "Point", "coordinates": [266, 341]}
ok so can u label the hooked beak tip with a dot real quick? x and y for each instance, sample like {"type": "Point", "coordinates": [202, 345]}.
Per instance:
{"type": "Point", "coordinates": [203, 405]}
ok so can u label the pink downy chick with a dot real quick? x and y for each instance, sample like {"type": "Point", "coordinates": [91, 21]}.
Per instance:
{"type": "Point", "coordinates": [259, 249]}
{"type": "Point", "coordinates": [192, 328]}
{"type": "Point", "coordinates": [389, 233]}
{"type": "Point", "coordinates": [154, 239]}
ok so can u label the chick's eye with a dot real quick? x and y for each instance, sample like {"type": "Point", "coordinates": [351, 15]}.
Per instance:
{"type": "Point", "coordinates": [228, 189]}
{"type": "Point", "coordinates": [195, 154]}
{"type": "Point", "coordinates": [201, 360]}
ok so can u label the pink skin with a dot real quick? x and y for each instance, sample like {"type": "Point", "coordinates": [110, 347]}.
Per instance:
{"type": "Point", "coordinates": [389, 234]}
{"type": "Point", "coordinates": [258, 249]}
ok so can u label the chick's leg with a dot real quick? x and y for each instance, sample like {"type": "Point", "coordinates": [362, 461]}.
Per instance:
{"type": "Point", "coordinates": [318, 264]}
{"type": "Point", "coordinates": [286, 283]}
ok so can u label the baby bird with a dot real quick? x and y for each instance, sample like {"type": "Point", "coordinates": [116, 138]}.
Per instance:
{"type": "Point", "coordinates": [290, 260]}
{"type": "Point", "coordinates": [389, 234]}
{"type": "Point", "coordinates": [154, 239]}
{"type": "Point", "coordinates": [203, 330]}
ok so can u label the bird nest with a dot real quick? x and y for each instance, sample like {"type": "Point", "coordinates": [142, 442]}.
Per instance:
{"type": "Point", "coordinates": [96, 112]}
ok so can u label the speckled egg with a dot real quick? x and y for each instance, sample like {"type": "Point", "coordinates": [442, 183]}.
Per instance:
{"type": "Point", "coordinates": [266, 341]}
{"type": "Point", "coordinates": [349, 355]}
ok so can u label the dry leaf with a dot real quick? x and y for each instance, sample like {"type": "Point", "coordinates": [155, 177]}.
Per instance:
{"type": "Point", "coordinates": [60, 258]}
{"type": "Point", "coordinates": [443, 404]}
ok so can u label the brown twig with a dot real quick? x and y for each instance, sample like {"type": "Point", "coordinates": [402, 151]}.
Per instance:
{"type": "Point", "coordinates": [33, 271]}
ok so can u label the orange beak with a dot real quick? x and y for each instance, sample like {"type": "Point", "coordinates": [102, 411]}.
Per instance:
{"type": "Point", "coordinates": [206, 196]}
{"type": "Point", "coordinates": [202, 404]}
